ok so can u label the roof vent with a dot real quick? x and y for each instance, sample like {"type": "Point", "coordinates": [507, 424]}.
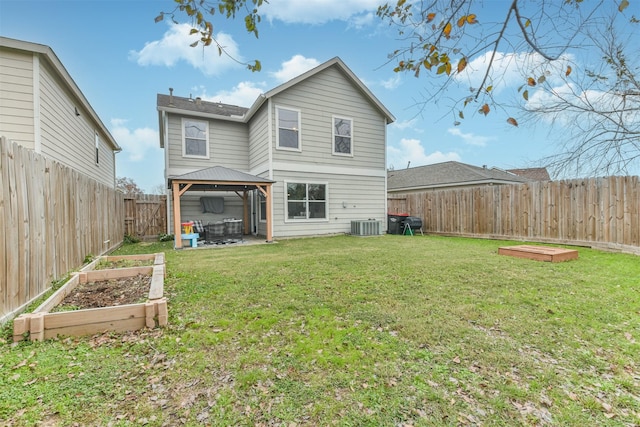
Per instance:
{"type": "Point", "coordinates": [170, 96]}
{"type": "Point", "coordinates": [198, 101]}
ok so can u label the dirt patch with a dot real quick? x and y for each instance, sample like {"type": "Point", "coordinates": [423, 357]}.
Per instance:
{"type": "Point", "coordinates": [107, 293]}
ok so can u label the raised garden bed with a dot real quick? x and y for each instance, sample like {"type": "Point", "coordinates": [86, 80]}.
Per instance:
{"type": "Point", "coordinates": [80, 307]}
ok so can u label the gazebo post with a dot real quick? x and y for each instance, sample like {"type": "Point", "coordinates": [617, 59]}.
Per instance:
{"type": "Point", "coordinates": [177, 242]}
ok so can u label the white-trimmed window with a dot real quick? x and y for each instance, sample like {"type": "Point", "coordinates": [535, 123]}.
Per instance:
{"type": "Point", "coordinates": [288, 136]}
{"type": "Point", "coordinates": [263, 206]}
{"type": "Point", "coordinates": [306, 201]}
{"type": "Point", "coordinates": [342, 136]}
{"type": "Point", "coordinates": [97, 149]}
{"type": "Point", "coordinates": [195, 138]}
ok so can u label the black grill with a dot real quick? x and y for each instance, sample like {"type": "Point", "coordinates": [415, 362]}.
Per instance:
{"type": "Point", "coordinates": [412, 221]}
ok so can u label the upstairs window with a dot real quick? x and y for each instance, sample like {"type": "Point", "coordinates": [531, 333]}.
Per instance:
{"type": "Point", "coordinates": [342, 136]}
{"type": "Point", "coordinates": [306, 201]}
{"type": "Point", "coordinates": [97, 149]}
{"type": "Point", "coordinates": [195, 138]}
{"type": "Point", "coordinates": [288, 136]}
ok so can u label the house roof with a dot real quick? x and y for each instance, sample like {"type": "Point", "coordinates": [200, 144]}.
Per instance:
{"type": "Point", "coordinates": [537, 174]}
{"type": "Point", "coordinates": [448, 174]}
{"type": "Point", "coordinates": [49, 55]}
{"type": "Point", "coordinates": [217, 110]}
{"type": "Point", "coordinates": [205, 107]}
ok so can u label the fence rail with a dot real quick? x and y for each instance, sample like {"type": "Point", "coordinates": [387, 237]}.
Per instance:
{"type": "Point", "coordinates": [51, 218]}
{"type": "Point", "coordinates": [601, 212]}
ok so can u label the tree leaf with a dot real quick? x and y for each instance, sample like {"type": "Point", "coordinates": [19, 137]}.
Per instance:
{"type": "Point", "coordinates": [194, 44]}
{"type": "Point", "coordinates": [568, 71]}
{"type": "Point", "coordinates": [462, 64]}
{"type": "Point", "coordinates": [471, 19]}
{"type": "Point", "coordinates": [512, 121]}
{"type": "Point", "coordinates": [525, 95]}
{"type": "Point", "coordinates": [531, 81]}
{"type": "Point", "coordinates": [541, 79]}
{"type": "Point", "coordinates": [447, 30]}
{"type": "Point", "coordinates": [159, 18]}
{"type": "Point", "coordinates": [489, 88]}
{"type": "Point", "coordinates": [623, 5]}
{"type": "Point", "coordinates": [460, 114]}
{"type": "Point", "coordinates": [485, 109]}
{"type": "Point", "coordinates": [527, 23]}
{"type": "Point", "coordinates": [462, 21]}
{"type": "Point", "coordinates": [430, 17]}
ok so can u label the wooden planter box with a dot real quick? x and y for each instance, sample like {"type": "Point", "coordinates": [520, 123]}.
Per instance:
{"type": "Point", "coordinates": [41, 324]}
{"type": "Point", "coordinates": [539, 253]}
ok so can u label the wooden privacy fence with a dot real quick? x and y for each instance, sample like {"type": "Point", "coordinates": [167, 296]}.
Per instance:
{"type": "Point", "coordinates": [602, 212]}
{"type": "Point", "coordinates": [145, 215]}
{"type": "Point", "coordinates": [51, 218]}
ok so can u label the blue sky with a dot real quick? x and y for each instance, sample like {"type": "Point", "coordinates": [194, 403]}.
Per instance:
{"type": "Point", "coordinates": [121, 59]}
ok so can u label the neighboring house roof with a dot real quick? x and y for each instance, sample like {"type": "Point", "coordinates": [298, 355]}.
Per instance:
{"type": "Point", "coordinates": [217, 110]}
{"type": "Point", "coordinates": [537, 174]}
{"type": "Point", "coordinates": [47, 53]}
{"type": "Point", "coordinates": [448, 174]}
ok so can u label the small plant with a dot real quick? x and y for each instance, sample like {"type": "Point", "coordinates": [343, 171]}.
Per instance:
{"type": "Point", "coordinates": [88, 258]}
{"type": "Point", "coordinates": [165, 237]}
{"type": "Point", "coordinates": [129, 239]}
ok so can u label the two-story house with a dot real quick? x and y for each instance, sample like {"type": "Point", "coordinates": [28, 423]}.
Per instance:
{"type": "Point", "coordinates": [42, 108]}
{"type": "Point", "coordinates": [307, 158]}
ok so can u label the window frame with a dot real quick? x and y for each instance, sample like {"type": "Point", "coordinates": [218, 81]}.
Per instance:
{"type": "Point", "coordinates": [183, 122]}
{"type": "Point", "coordinates": [334, 134]}
{"type": "Point", "coordinates": [307, 217]}
{"type": "Point", "coordinates": [97, 153]}
{"type": "Point", "coordinates": [299, 128]}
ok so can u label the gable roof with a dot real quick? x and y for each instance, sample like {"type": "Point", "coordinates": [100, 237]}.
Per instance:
{"type": "Point", "coordinates": [205, 109]}
{"type": "Point", "coordinates": [448, 174]}
{"type": "Point", "coordinates": [334, 62]}
{"type": "Point", "coordinates": [537, 174]}
{"type": "Point", "coordinates": [48, 55]}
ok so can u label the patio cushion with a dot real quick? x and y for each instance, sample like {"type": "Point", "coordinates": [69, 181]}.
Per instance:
{"type": "Point", "coordinates": [198, 227]}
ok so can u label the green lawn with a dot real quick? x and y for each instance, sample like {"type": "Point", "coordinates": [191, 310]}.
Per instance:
{"type": "Point", "coordinates": [347, 331]}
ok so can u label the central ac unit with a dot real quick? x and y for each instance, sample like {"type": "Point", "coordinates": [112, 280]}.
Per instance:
{"type": "Point", "coordinates": [365, 228]}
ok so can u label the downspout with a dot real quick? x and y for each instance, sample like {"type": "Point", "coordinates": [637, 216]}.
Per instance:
{"type": "Point", "coordinates": [270, 141]}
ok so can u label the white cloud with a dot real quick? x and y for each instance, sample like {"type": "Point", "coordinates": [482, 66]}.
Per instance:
{"type": "Point", "coordinates": [137, 143]}
{"type": "Point", "coordinates": [405, 124]}
{"type": "Point", "coordinates": [174, 48]}
{"type": "Point", "coordinates": [412, 150]}
{"type": "Point", "coordinates": [244, 94]}
{"type": "Point", "coordinates": [510, 69]}
{"type": "Point", "coordinates": [470, 138]}
{"type": "Point", "coordinates": [319, 11]}
{"type": "Point", "coordinates": [297, 65]}
{"type": "Point", "coordinates": [392, 83]}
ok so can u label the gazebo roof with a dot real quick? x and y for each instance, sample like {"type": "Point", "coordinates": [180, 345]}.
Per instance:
{"type": "Point", "coordinates": [220, 178]}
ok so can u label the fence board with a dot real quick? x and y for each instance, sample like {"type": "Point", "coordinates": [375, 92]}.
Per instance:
{"type": "Point", "coordinates": [145, 215]}
{"type": "Point", "coordinates": [599, 211]}
{"type": "Point", "coordinates": [51, 218]}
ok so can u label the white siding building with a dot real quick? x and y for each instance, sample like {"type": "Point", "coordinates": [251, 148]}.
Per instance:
{"type": "Point", "coordinates": [42, 108]}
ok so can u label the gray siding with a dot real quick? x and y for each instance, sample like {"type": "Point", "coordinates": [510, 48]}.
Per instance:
{"type": "Point", "coordinates": [16, 97]}
{"type": "Point", "coordinates": [228, 147]}
{"type": "Point", "coordinates": [319, 98]}
{"type": "Point", "coordinates": [259, 140]}
{"type": "Point", "coordinates": [70, 138]}
{"type": "Point", "coordinates": [364, 197]}
{"type": "Point", "coordinates": [190, 208]}
{"type": "Point", "coordinates": [64, 136]}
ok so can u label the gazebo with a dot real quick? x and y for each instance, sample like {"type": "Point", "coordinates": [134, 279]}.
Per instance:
{"type": "Point", "coordinates": [219, 178]}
